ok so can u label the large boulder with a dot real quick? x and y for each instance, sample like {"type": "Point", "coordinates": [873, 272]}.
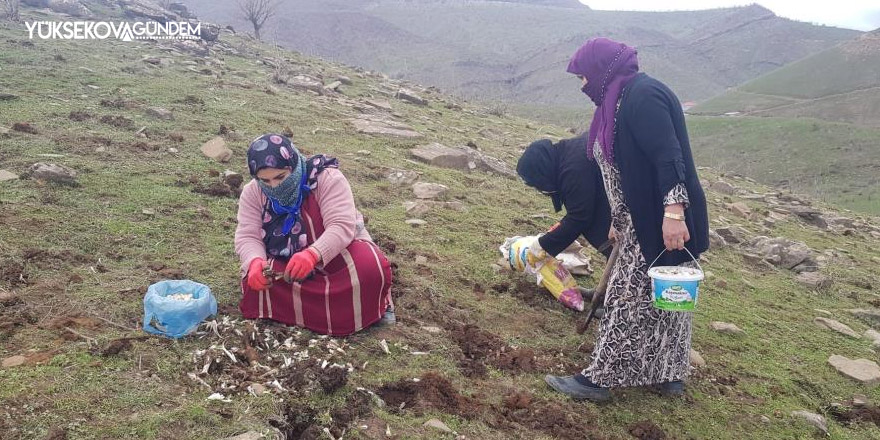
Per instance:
{"type": "Point", "coordinates": [216, 149]}
{"type": "Point", "coordinates": [369, 125]}
{"type": "Point", "coordinates": [53, 173]}
{"type": "Point", "coordinates": [862, 370]}
{"type": "Point", "coordinates": [440, 155]}
{"type": "Point", "coordinates": [782, 252]}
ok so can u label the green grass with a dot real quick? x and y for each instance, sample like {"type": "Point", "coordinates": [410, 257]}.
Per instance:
{"type": "Point", "coordinates": [779, 365]}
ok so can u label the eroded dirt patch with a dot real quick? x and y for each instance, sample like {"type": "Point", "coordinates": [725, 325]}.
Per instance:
{"type": "Point", "coordinates": [647, 430]}
{"type": "Point", "coordinates": [432, 391]}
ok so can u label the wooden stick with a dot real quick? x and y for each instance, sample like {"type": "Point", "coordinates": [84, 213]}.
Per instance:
{"type": "Point", "coordinates": [111, 322]}
{"type": "Point", "coordinates": [88, 339]}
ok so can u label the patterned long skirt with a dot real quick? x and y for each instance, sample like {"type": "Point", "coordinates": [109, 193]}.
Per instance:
{"type": "Point", "coordinates": [637, 343]}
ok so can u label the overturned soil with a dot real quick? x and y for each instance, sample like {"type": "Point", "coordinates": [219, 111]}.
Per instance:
{"type": "Point", "coordinates": [297, 422]}
{"type": "Point", "coordinates": [333, 379]}
{"type": "Point", "coordinates": [356, 406]}
{"type": "Point", "coordinates": [646, 430]}
{"type": "Point", "coordinates": [521, 410]}
{"type": "Point", "coordinates": [481, 348]}
{"type": "Point", "coordinates": [848, 416]}
{"type": "Point", "coordinates": [432, 391]}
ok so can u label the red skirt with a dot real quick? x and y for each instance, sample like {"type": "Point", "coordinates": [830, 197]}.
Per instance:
{"type": "Point", "coordinates": [348, 294]}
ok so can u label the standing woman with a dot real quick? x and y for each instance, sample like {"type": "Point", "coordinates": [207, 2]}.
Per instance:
{"type": "Point", "coordinates": [639, 140]}
{"type": "Point", "coordinates": [297, 217]}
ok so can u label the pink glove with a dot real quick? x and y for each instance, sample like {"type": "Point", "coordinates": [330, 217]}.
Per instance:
{"type": "Point", "coordinates": [255, 278]}
{"type": "Point", "coordinates": [301, 264]}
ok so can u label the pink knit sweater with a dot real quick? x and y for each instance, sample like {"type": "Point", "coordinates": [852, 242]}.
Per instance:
{"type": "Point", "coordinates": [343, 223]}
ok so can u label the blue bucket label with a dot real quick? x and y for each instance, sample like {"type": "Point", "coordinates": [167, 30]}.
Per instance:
{"type": "Point", "coordinates": [675, 295]}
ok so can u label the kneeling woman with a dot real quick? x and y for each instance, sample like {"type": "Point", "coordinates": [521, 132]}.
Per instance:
{"type": "Point", "coordinates": [306, 258]}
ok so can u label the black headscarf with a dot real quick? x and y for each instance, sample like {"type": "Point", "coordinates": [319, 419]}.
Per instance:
{"type": "Point", "coordinates": [539, 168]}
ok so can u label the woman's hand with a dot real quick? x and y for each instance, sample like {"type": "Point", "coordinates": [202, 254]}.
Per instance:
{"type": "Point", "coordinates": [301, 264]}
{"type": "Point", "coordinates": [255, 278]}
{"type": "Point", "coordinates": [675, 232]}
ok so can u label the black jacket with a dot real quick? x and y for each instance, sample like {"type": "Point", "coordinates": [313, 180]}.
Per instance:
{"type": "Point", "coordinates": [582, 193]}
{"type": "Point", "coordinates": [652, 151]}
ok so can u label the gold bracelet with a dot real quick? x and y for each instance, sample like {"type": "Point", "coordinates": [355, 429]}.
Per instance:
{"type": "Point", "coordinates": [679, 217]}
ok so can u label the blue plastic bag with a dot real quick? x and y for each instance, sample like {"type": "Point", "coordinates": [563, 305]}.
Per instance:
{"type": "Point", "coordinates": [176, 318]}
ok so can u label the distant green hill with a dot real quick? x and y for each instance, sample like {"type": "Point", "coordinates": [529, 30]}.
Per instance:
{"type": "Point", "coordinates": [838, 84]}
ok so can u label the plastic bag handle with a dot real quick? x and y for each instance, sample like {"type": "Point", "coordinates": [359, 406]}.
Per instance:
{"type": "Point", "coordinates": [686, 250]}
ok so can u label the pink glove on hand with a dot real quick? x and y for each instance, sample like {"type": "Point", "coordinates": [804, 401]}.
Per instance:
{"type": "Point", "coordinates": [255, 278]}
{"type": "Point", "coordinates": [301, 264]}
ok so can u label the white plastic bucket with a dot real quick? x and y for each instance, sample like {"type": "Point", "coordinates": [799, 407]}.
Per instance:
{"type": "Point", "coordinates": [676, 288]}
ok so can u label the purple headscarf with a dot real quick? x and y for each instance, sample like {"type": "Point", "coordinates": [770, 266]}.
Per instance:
{"type": "Point", "coordinates": [608, 66]}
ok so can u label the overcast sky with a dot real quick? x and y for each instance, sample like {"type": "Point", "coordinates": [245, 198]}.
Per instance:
{"type": "Point", "coordinates": [854, 14]}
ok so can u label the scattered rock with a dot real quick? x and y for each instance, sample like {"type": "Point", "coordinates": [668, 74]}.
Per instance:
{"type": "Point", "coordinates": [250, 435]}
{"type": "Point", "coordinates": [716, 240]}
{"type": "Point", "coordinates": [411, 97]}
{"type": "Point", "coordinates": [421, 260]}
{"type": "Point", "coordinates": [258, 388]}
{"type": "Point", "coordinates": [860, 400]}
{"type": "Point", "coordinates": [740, 209]}
{"type": "Point", "coordinates": [53, 173]}
{"type": "Point", "coordinates": [7, 175]}
{"type": "Point", "coordinates": [24, 127]}
{"type": "Point", "coordinates": [696, 359]}
{"type": "Point", "coordinates": [813, 419]}
{"type": "Point", "coordinates": [216, 149]}
{"type": "Point", "coordinates": [732, 234]}
{"type": "Point", "coordinates": [872, 316]}
{"type": "Point", "coordinates": [304, 82]}
{"type": "Point", "coordinates": [13, 361]}
{"type": "Point", "coordinates": [837, 326]}
{"type": "Point", "coordinates": [424, 190]}
{"type": "Point", "coordinates": [378, 103]}
{"type": "Point", "coordinates": [344, 80]}
{"type": "Point", "coordinates": [421, 207]}
{"type": "Point", "coordinates": [440, 155]}
{"type": "Point", "coordinates": [814, 280]}
{"type": "Point", "coordinates": [334, 86]}
{"type": "Point", "coordinates": [432, 329]}
{"type": "Point", "coordinates": [438, 425]}
{"type": "Point", "coordinates": [415, 222]}
{"type": "Point", "coordinates": [148, 212]}
{"type": "Point", "coordinates": [822, 311]}
{"type": "Point", "coordinates": [809, 215]}
{"type": "Point", "coordinates": [8, 97]}
{"type": "Point", "coordinates": [765, 419]}
{"type": "Point", "coordinates": [402, 177]}
{"type": "Point", "coordinates": [783, 252]}
{"type": "Point", "coordinates": [384, 127]}
{"type": "Point", "coordinates": [233, 179]}
{"type": "Point", "coordinates": [723, 188]}
{"type": "Point", "coordinates": [160, 113]}
{"type": "Point", "coordinates": [873, 336]}
{"type": "Point", "coordinates": [726, 327]}
{"type": "Point", "coordinates": [863, 370]}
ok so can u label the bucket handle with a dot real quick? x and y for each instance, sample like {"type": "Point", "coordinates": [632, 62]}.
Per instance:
{"type": "Point", "coordinates": [686, 250]}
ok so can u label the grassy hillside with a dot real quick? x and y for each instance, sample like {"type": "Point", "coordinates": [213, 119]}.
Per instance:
{"type": "Point", "coordinates": [518, 51]}
{"type": "Point", "coordinates": [838, 84]}
{"type": "Point", "coordinates": [75, 262]}
{"type": "Point", "coordinates": [835, 162]}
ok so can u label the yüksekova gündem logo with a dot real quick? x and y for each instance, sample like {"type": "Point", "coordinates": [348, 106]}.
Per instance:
{"type": "Point", "coordinates": [103, 30]}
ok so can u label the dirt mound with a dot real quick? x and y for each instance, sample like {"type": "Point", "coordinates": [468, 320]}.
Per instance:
{"type": "Point", "coordinates": [481, 348]}
{"type": "Point", "coordinates": [848, 416]}
{"type": "Point", "coordinates": [646, 430]}
{"type": "Point", "coordinates": [432, 391]}
{"type": "Point", "coordinates": [297, 422]}
{"type": "Point", "coordinates": [333, 379]}
{"type": "Point", "coordinates": [521, 410]}
{"type": "Point", "coordinates": [355, 407]}
{"type": "Point", "coordinates": [12, 273]}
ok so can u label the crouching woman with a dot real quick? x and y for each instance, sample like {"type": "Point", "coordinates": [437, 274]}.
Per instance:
{"type": "Point", "coordinates": [306, 258]}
